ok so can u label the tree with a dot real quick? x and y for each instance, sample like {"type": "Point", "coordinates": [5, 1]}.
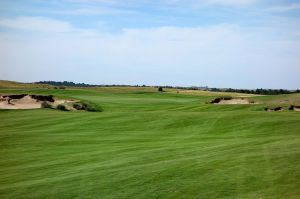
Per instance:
{"type": "Point", "coordinates": [160, 89]}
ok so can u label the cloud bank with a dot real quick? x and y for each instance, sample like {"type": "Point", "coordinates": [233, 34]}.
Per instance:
{"type": "Point", "coordinates": [216, 55]}
{"type": "Point", "coordinates": [218, 43]}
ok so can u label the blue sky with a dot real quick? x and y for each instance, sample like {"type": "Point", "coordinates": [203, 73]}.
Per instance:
{"type": "Point", "coordinates": [215, 43]}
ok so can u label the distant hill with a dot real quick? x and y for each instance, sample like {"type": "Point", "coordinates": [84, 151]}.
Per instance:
{"type": "Point", "coordinates": [63, 84]}
{"type": "Point", "coordinates": [246, 91]}
{"type": "Point", "coordinates": [13, 84]}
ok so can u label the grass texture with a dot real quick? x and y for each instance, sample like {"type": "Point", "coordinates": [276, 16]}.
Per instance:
{"type": "Point", "coordinates": [147, 144]}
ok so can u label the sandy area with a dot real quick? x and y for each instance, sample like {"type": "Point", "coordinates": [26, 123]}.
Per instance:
{"type": "Point", "coordinates": [24, 103]}
{"type": "Point", "coordinates": [234, 101]}
{"type": "Point", "coordinates": [296, 109]}
{"type": "Point", "coordinates": [27, 102]}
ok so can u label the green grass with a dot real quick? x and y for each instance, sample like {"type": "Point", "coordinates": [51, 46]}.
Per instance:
{"type": "Point", "coordinates": [147, 144]}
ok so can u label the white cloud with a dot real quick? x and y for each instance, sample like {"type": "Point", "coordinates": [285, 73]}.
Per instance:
{"type": "Point", "coordinates": [162, 3]}
{"type": "Point", "coordinates": [37, 24]}
{"type": "Point", "coordinates": [221, 55]}
{"type": "Point", "coordinates": [97, 10]}
{"type": "Point", "coordinates": [284, 8]}
{"type": "Point", "coordinates": [212, 2]}
{"type": "Point", "coordinates": [231, 2]}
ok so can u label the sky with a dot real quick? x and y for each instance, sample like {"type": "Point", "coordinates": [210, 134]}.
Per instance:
{"type": "Point", "coordinates": [216, 43]}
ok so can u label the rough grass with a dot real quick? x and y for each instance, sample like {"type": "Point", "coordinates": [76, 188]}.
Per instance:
{"type": "Point", "coordinates": [13, 84]}
{"type": "Point", "coordinates": [87, 106]}
{"type": "Point", "coordinates": [288, 99]}
{"type": "Point", "coordinates": [149, 145]}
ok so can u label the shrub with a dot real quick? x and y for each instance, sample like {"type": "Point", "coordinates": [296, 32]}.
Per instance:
{"type": "Point", "coordinates": [215, 101]}
{"type": "Point", "coordinates": [62, 87]}
{"type": "Point", "coordinates": [291, 108]}
{"type": "Point", "coordinates": [160, 89]}
{"type": "Point", "coordinates": [46, 105]}
{"type": "Point", "coordinates": [93, 108]}
{"type": "Point", "coordinates": [79, 106]}
{"type": "Point", "coordinates": [278, 108]}
{"type": "Point", "coordinates": [218, 100]}
{"type": "Point", "coordinates": [62, 107]}
{"type": "Point", "coordinates": [48, 98]}
{"type": "Point", "coordinates": [87, 106]}
{"type": "Point", "coordinates": [226, 98]}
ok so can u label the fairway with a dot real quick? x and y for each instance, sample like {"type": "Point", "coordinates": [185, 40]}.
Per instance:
{"type": "Point", "coordinates": [147, 144]}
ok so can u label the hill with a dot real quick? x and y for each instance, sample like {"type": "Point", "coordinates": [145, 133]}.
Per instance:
{"type": "Point", "coordinates": [13, 84]}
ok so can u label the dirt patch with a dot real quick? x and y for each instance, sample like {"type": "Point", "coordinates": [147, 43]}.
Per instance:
{"type": "Point", "coordinates": [229, 100]}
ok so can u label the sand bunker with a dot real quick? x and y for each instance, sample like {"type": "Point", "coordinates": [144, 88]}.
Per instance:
{"type": "Point", "coordinates": [294, 108]}
{"type": "Point", "coordinates": [24, 101]}
{"type": "Point", "coordinates": [228, 100]}
{"type": "Point", "coordinates": [235, 101]}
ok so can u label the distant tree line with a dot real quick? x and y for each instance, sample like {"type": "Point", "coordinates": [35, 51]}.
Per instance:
{"type": "Point", "coordinates": [72, 84]}
{"type": "Point", "coordinates": [259, 91]}
{"type": "Point", "coordinates": [248, 91]}
{"type": "Point", "coordinates": [65, 83]}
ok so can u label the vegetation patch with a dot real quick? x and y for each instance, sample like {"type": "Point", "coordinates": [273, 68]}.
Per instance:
{"type": "Point", "coordinates": [62, 107]}
{"type": "Point", "coordinates": [279, 108]}
{"type": "Point", "coordinates": [219, 99]}
{"type": "Point", "coordinates": [160, 89]}
{"type": "Point", "coordinates": [48, 98]}
{"type": "Point", "coordinates": [46, 105]}
{"type": "Point", "coordinates": [87, 106]}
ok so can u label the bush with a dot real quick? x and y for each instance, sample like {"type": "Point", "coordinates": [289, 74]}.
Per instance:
{"type": "Point", "coordinates": [226, 98]}
{"type": "Point", "coordinates": [79, 106]}
{"type": "Point", "coordinates": [46, 105]}
{"type": "Point", "coordinates": [218, 100]}
{"type": "Point", "coordinates": [87, 106]}
{"type": "Point", "coordinates": [160, 89]}
{"type": "Point", "coordinates": [62, 107]}
{"type": "Point", "coordinates": [215, 101]}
